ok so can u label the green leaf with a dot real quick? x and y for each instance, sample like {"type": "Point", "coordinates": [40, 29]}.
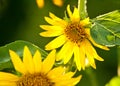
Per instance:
{"type": "Point", "coordinates": [18, 47]}
{"type": "Point", "coordinates": [114, 82]}
{"type": "Point", "coordinates": [106, 29]}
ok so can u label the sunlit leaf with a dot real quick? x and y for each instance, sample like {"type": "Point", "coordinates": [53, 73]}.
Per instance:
{"type": "Point", "coordinates": [106, 29]}
{"type": "Point", "coordinates": [114, 82]}
{"type": "Point", "coordinates": [18, 47]}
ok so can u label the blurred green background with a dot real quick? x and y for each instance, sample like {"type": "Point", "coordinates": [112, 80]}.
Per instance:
{"type": "Point", "coordinates": [20, 20]}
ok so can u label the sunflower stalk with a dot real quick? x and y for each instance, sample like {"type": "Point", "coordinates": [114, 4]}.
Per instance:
{"type": "Point", "coordinates": [118, 55]}
{"type": "Point", "coordinates": [82, 8]}
{"type": "Point", "coordinates": [92, 76]}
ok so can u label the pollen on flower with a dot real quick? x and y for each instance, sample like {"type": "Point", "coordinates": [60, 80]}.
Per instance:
{"type": "Point", "coordinates": [36, 79]}
{"type": "Point", "coordinates": [75, 32]}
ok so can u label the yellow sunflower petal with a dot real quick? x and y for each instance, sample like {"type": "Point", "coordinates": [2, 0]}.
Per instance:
{"type": "Point", "coordinates": [48, 62]}
{"type": "Point", "coordinates": [63, 76]}
{"type": "Point", "coordinates": [68, 82]}
{"type": "Point", "coordinates": [28, 60]}
{"type": "Point", "coordinates": [8, 77]}
{"type": "Point", "coordinates": [55, 18]}
{"type": "Point", "coordinates": [93, 52]}
{"type": "Point", "coordinates": [54, 22]}
{"type": "Point", "coordinates": [57, 42]}
{"type": "Point", "coordinates": [51, 33]}
{"type": "Point", "coordinates": [19, 66]}
{"type": "Point", "coordinates": [51, 30]}
{"type": "Point", "coordinates": [56, 72]}
{"type": "Point", "coordinates": [84, 22]}
{"type": "Point", "coordinates": [48, 27]}
{"type": "Point", "coordinates": [50, 21]}
{"type": "Point", "coordinates": [68, 56]}
{"type": "Point", "coordinates": [77, 57]}
{"type": "Point", "coordinates": [82, 55]}
{"type": "Point", "coordinates": [37, 61]}
{"type": "Point", "coordinates": [68, 75]}
{"type": "Point", "coordinates": [95, 55]}
{"type": "Point", "coordinates": [91, 60]}
{"type": "Point", "coordinates": [75, 17]}
{"type": "Point", "coordinates": [89, 54]}
{"type": "Point", "coordinates": [69, 11]}
{"type": "Point", "coordinates": [7, 83]}
{"type": "Point", "coordinates": [63, 53]}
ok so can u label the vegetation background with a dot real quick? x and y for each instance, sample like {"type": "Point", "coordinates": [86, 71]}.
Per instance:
{"type": "Point", "coordinates": [20, 20]}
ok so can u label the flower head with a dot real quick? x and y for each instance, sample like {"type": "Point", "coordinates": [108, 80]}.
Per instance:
{"type": "Point", "coordinates": [58, 2]}
{"type": "Point", "coordinates": [74, 37]}
{"type": "Point", "coordinates": [40, 3]}
{"type": "Point", "coordinates": [35, 72]}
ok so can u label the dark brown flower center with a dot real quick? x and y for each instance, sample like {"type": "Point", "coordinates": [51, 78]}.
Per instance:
{"type": "Point", "coordinates": [75, 32]}
{"type": "Point", "coordinates": [34, 80]}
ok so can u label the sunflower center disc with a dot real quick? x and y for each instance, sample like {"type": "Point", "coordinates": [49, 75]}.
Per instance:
{"type": "Point", "coordinates": [34, 80]}
{"type": "Point", "coordinates": [75, 32]}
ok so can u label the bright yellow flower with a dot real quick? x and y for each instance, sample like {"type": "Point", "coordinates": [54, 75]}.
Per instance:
{"type": "Point", "coordinates": [58, 2]}
{"type": "Point", "coordinates": [74, 38]}
{"type": "Point", "coordinates": [35, 72]}
{"type": "Point", "coordinates": [40, 3]}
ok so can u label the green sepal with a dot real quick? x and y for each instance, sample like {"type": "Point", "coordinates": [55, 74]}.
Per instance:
{"type": "Point", "coordinates": [66, 18]}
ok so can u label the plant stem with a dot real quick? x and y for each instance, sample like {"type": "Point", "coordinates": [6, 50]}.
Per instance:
{"type": "Point", "coordinates": [118, 55]}
{"type": "Point", "coordinates": [92, 77]}
{"type": "Point", "coordinates": [82, 8]}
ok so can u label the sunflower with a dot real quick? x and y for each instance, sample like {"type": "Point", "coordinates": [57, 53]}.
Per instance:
{"type": "Point", "coordinates": [73, 37]}
{"type": "Point", "coordinates": [40, 3]}
{"type": "Point", "coordinates": [35, 72]}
